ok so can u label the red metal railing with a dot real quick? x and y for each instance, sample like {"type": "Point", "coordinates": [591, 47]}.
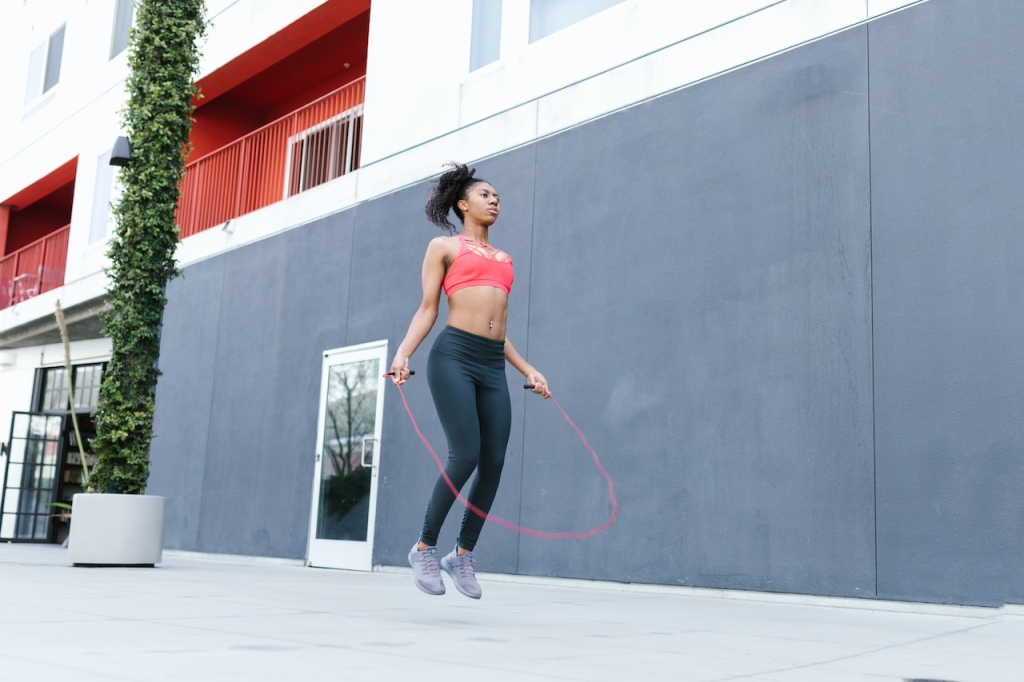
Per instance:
{"type": "Point", "coordinates": [34, 269]}
{"type": "Point", "coordinates": [317, 143]}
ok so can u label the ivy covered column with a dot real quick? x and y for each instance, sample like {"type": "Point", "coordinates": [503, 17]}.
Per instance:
{"type": "Point", "coordinates": [163, 58]}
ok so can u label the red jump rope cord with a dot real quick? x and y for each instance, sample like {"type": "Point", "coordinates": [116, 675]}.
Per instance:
{"type": "Point", "coordinates": [504, 522]}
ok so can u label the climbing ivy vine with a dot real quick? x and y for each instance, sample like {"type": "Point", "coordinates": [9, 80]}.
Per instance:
{"type": "Point", "coordinates": [163, 57]}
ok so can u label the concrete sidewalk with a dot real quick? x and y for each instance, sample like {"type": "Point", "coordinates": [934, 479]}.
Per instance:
{"type": "Point", "coordinates": [215, 618]}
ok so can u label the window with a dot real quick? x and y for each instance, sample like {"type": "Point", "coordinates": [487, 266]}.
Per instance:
{"type": "Point", "coordinates": [26, 511]}
{"type": "Point", "coordinates": [101, 198]}
{"type": "Point", "coordinates": [485, 43]}
{"type": "Point", "coordinates": [44, 66]}
{"type": "Point", "coordinates": [548, 16]}
{"type": "Point", "coordinates": [54, 395]}
{"type": "Point", "coordinates": [87, 386]}
{"type": "Point", "coordinates": [324, 152]}
{"type": "Point", "coordinates": [123, 14]}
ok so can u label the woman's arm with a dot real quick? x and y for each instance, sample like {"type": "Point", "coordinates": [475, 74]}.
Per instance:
{"type": "Point", "coordinates": [533, 377]}
{"type": "Point", "coordinates": [426, 314]}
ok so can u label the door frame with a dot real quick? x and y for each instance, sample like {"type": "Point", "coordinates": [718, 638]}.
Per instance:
{"type": "Point", "coordinates": [58, 466]}
{"type": "Point", "coordinates": [346, 554]}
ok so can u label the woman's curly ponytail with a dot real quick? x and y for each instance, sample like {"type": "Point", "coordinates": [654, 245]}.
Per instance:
{"type": "Point", "coordinates": [448, 189]}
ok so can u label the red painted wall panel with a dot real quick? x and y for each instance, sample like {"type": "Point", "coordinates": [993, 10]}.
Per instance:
{"type": "Point", "coordinates": [39, 219]}
{"type": "Point", "coordinates": [308, 61]}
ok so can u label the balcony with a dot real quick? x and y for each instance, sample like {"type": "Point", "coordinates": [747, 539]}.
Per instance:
{"type": "Point", "coordinates": [34, 269]}
{"type": "Point", "coordinates": [308, 147]}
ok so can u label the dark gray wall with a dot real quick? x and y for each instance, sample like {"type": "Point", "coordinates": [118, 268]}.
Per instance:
{"type": "Point", "coordinates": [715, 251]}
{"type": "Point", "coordinates": [783, 305]}
{"type": "Point", "coordinates": [242, 340]}
{"type": "Point", "coordinates": [947, 94]}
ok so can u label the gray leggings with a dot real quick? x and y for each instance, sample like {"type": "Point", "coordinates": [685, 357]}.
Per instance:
{"type": "Point", "coordinates": [466, 375]}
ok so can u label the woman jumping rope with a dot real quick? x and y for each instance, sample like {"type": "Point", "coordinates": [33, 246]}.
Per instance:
{"type": "Point", "coordinates": [465, 368]}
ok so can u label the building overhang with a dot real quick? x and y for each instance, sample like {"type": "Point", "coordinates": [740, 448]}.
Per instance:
{"type": "Point", "coordinates": [83, 322]}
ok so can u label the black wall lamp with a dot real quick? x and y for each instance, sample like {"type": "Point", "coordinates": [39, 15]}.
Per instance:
{"type": "Point", "coordinates": [121, 154]}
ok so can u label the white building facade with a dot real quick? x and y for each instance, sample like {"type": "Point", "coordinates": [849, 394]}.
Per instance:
{"type": "Point", "coordinates": [318, 115]}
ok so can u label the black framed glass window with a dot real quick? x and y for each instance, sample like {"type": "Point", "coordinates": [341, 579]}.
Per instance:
{"type": "Point", "coordinates": [30, 487]}
{"type": "Point", "coordinates": [53, 396]}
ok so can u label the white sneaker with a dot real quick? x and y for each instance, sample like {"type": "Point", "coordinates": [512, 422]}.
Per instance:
{"type": "Point", "coordinates": [462, 570]}
{"type": "Point", "coordinates": [425, 569]}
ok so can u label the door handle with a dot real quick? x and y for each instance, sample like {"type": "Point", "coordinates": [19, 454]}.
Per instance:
{"type": "Point", "coordinates": [362, 457]}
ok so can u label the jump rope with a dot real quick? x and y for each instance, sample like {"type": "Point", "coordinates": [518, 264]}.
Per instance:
{"type": "Point", "coordinates": [551, 535]}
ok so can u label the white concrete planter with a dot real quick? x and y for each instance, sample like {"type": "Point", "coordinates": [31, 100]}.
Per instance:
{"type": "Point", "coordinates": [116, 530]}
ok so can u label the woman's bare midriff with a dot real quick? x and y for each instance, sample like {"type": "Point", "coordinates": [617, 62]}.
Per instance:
{"type": "Point", "coordinates": [479, 310]}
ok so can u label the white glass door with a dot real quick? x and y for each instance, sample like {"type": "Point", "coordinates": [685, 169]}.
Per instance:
{"type": "Point", "coordinates": [348, 446]}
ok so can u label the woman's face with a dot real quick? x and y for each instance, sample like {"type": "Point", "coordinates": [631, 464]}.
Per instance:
{"type": "Point", "coordinates": [480, 204]}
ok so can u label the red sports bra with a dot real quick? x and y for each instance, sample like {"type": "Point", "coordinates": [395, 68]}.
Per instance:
{"type": "Point", "coordinates": [472, 268]}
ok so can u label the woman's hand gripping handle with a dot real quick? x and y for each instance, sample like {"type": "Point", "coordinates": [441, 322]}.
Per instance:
{"type": "Point", "coordinates": [536, 382]}
{"type": "Point", "coordinates": [400, 371]}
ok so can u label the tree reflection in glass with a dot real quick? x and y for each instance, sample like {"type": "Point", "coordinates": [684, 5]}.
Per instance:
{"type": "Point", "coordinates": [344, 481]}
